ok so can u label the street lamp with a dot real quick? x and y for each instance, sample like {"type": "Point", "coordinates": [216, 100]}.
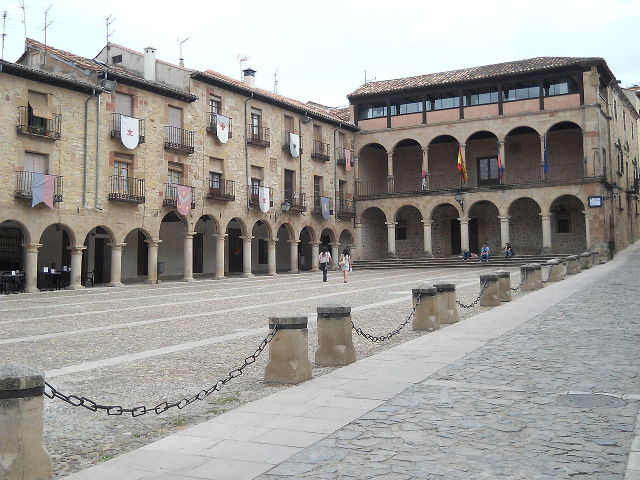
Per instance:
{"type": "Point", "coordinates": [615, 189]}
{"type": "Point", "coordinates": [286, 206]}
{"type": "Point", "coordinates": [459, 198]}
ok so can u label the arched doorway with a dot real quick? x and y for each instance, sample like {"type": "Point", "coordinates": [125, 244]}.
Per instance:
{"type": "Point", "coordinates": [261, 232]}
{"type": "Point", "coordinates": [171, 247]}
{"type": "Point", "coordinates": [204, 246]}
{"type": "Point", "coordinates": [525, 227]}
{"type": "Point", "coordinates": [305, 260]}
{"type": "Point", "coordinates": [484, 227]}
{"type": "Point", "coordinates": [568, 233]}
{"type": "Point", "coordinates": [442, 152]}
{"type": "Point", "coordinates": [96, 258]}
{"type": "Point", "coordinates": [374, 234]}
{"type": "Point", "coordinates": [522, 156]}
{"type": "Point", "coordinates": [445, 231]}
{"type": "Point", "coordinates": [135, 256]}
{"type": "Point", "coordinates": [12, 239]}
{"type": "Point", "coordinates": [346, 241]}
{"type": "Point", "coordinates": [235, 246]}
{"type": "Point", "coordinates": [283, 248]}
{"type": "Point", "coordinates": [482, 159]}
{"type": "Point", "coordinates": [409, 232]}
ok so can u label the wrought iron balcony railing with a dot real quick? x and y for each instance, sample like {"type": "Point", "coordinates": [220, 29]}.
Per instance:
{"type": "Point", "coordinates": [254, 195]}
{"type": "Point", "coordinates": [38, 126]}
{"type": "Point", "coordinates": [116, 130]}
{"type": "Point", "coordinates": [178, 139]}
{"type": "Point", "coordinates": [212, 125]}
{"type": "Point", "coordinates": [294, 202]}
{"type": "Point", "coordinates": [287, 141]}
{"type": "Point", "coordinates": [317, 205]}
{"type": "Point", "coordinates": [341, 157]}
{"type": "Point", "coordinates": [257, 135]}
{"type": "Point", "coordinates": [171, 195]}
{"type": "Point", "coordinates": [346, 208]}
{"type": "Point", "coordinates": [320, 151]}
{"type": "Point", "coordinates": [224, 190]}
{"type": "Point", "coordinates": [126, 189]}
{"type": "Point", "coordinates": [24, 182]}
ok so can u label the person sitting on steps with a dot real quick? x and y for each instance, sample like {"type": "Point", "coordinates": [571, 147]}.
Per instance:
{"type": "Point", "coordinates": [484, 253]}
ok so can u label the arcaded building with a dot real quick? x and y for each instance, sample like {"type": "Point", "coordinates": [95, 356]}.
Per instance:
{"type": "Point", "coordinates": [550, 148]}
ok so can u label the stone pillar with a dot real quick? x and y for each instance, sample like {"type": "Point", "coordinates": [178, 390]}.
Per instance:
{"type": "Point", "coordinates": [246, 255]}
{"type": "Point", "coordinates": [573, 265]}
{"type": "Point", "coordinates": [188, 257]}
{"type": "Point", "coordinates": [427, 242]}
{"type": "Point", "coordinates": [294, 255]}
{"type": "Point", "coordinates": [315, 252]}
{"type": "Point", "coordinates": [219, 271]}
{"type": "Point", "coordinates": [489, 297]}
{"type": "Point", "coordinates": [556, 270]}
{"type": "Point", "coordinates": [464, 234]}
{"type": "Point", "coordinates": [546, 232]}
{"type": "Point", "coordinates": [586, 229]}
{"type": "Point", "coordinates": [358, 234]}
{"type": "Point", "coordinates": [504, 229]}
{"type": "Point", "coordinates": [31, 267]}
{"type": "Point", "coordinates": [75, 275]}
{"type": "Point", "coordinates": [391, 239]}
{"type": "Point", "coordinates": [447, 307]}
{"type": "Point", "coordinates": [288, 351]}
{"type": "Point", "coordinates": [542, 139]}
{"type": "Point", "coordinates": [594, 257]}
{"type": "Point", "coordinates": [335, 342]}
{"type": "Point", "coordinates": [504, 285]}
{"type": "Point", "coordinates": [585, 260]}
{"type": "Point", "coordinates": [22, 453]}
{"type": "Point", "coordinates": [425, 301]}
{"type": "Point", "coordinates": [356, 168]}
{"type": "Point", "coordinates": [271, 256]}
{"type": "Point", "coordinates": [528, 277]}
{"type": "Point", "coordinates": [390, 177]}
{"type": "Point", "coordinates": [152, 261]}
{"type": "Point", "coordinates": [537, 275]}
{"type": "Point", "coordinates": [335, 254]}
{"type": "Point", "coordinates": [116, 264]}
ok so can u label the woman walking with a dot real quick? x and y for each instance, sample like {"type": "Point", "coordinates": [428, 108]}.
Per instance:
{"type": "Point", "coordinates": [345, 264]}
{"type": "Point", "coordinates": [324, 259]}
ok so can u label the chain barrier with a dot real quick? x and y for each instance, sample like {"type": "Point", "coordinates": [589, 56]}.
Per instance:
{"type": "Point", "coordinates": [475, 302]}
{"type": "Point", "coordinates": [522, 280]}
{"type": "Point", "coordinates": [391, 334]}
{"type": "Point", "coordinates": [89, 404]}
{"type": "Point", "coordinates": [548, 278]}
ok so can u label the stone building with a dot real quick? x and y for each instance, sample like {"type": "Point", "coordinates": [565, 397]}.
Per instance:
{"type": "Point", "coordinates": [550, 147]}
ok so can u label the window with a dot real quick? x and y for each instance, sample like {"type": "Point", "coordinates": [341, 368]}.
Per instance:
{"type": "Point", "coordinates": [488, 171]}
{"type": "Point", "coordinates": [215, 180]}
{"type": "Point", "coordinates": [340, 140]}
{"type": "Point", "coordinates": [563, 224]}
{"type": "Point", "coordinates": [39, 105]}
{"type": "Point", "coordinates": [124, 104]}
{"type": "Point", "coordinates": [406, 105]}
{"type": "Point", "coordinates": [444, 101]}
{"type": "Point", "coordinates": [174, 173]}
{"type": "Point", "coordinates": [342, 189]}
{"type": "Point", "coordinates": [317, 186]}
{"type": "Point", "coordinates": [288, 124]}
{"type": "Point", "coordinates": [116, 59]}
{"type": "Point", "coordinates": [560, 86]}
{"type": "Point", "coordinates": [121, 165]}
{"type": "Point", "coordinates": [215, 104]}
{"type": "Point", "coordinates": [317, 133]}
{"type": "Point", "coordinates": [36, 162]}
{"type": "Point", "coordinates": [481, 96]}
{"type": "Point", "coordinates": [372, 110]}
{"type": "Point", "coordinates": [256, 122]}
{"type": "Point", "coordinates": [520, 91]}
{"type": "Point", "coordinates": [289, 182]}
{"type": "Point", "coordinates": [401, 230]}
{"type": "Point", "coordinates": [175, 117]}
{"type": "Point", "coordinates": [216, 168]}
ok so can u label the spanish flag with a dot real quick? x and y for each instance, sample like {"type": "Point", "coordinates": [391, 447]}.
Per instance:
{"type": "Point", "coordinates": [462, 167]}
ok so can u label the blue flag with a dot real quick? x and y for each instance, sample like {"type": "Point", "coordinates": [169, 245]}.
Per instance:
{"type": "Point", "coordinates": [324, 205]}
{"type": "Point", "coordinates": [545, 167]}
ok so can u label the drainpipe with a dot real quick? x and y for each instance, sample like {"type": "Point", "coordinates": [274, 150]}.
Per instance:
{"type": "Point", "coordinates": [246, 151]}
{"type": "Point", "coordinates": [97, 196]}
{"type": "Point", "coordinates": [86, 150]}
{"type": "Point", "coordinates": [335, 174]}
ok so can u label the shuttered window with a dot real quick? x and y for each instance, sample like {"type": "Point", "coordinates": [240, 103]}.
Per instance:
{"type": "Point", "coordinates": [124, 104]}
{"type": "Point", "coordinates": [39, 104]}
{"type": "Point", "coordinates": [36, 162]}
{"type": "Point", "coordinates": [175, 117]}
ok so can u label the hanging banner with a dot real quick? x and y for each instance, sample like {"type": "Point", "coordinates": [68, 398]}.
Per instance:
{"type": "Point", "coordinates": [264, 199]}
{"type": "Point", "coordinates": [184, 198]}
{"type": "Point", "coordinates": [324, 205]}
{"type": "Point", "coordinates": [42, 189]}
{"type": "Point", "coordinates": [222, 128]}
{"type": "Point", "coordinates": [294, 144]}
{"type": "Point", "coordinates": [347, 159]}
{"type": "Point", "coordinates": [129, 131]}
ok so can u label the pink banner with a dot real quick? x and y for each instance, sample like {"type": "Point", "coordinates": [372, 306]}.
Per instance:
{"type": "Point", "coordinates": [42, 187]}
{"type": "Point", "coordinates": [347, 159]}
{"type": "Point", "coordinates": [183, 202]}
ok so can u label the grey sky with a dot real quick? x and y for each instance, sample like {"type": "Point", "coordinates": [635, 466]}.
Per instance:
{"type": "Point", "coordinates": [321, 49]}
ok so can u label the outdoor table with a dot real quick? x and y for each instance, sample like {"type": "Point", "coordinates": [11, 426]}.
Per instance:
{"type": "Point", "coordinates": [12, 283]}
{"type": "Point", "coordinates": [51, 280]}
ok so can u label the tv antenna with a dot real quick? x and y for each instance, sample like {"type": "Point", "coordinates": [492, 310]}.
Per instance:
{"type": "Point", "coordinates": [275, 82]}
{"type": "Point", "coordinates": [108, 21]}
{"type": "Point", "coordinates": [368, 79]}
{"type": "Point", "coordinates": [180, 43]}
{"type": "Point", "coordinates": [45, 28]}
{"type": "Point", "coordinates": [4, 29]}
{"type": "Point", "coordinates": [24, 18]}
{"type": "Point", "coordinates": [242, 60]}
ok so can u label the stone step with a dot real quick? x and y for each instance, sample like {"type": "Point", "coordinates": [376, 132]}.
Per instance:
{"type": "Point", "coordinates": [453, 262]}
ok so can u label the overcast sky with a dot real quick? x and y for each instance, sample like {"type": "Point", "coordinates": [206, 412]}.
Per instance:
{"type": "Point", "coordinates": [321, 49]}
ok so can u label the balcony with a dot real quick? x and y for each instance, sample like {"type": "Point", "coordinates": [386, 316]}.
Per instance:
{"type": "Point", "coordinates": [126, 189]}
{"type": "Point", "coordinates": [317, 207]}
{"type": "Point", "coordinates": [320, 151]}
{"type": "Point", "coordinates": [213, 122]}
{"type": "Point", "coordinates": [287, 141]}
{"type": "Point", "coordinates": [346, 209]}
{"type": "Point", "coordinates": [115, 127]}
{"type": "Point", "coordinates": [341, 156]}
{"type": "Point", "coordinates": [171, 195]}
{"type": "Point", "coordinates": [254, 196]}
{"type": "Point", "coordinates": [23, 186]}
{"type": "Point", "coordinates": [225, 190]}
{"type": "Point", "coordinates": [178, 139]}
{"type": "Point", "coordinates": [48, 128]}
{"type": "Point", "coordinates": [294, 202]}
{"type": "Point", "coordinates": [257, 135]}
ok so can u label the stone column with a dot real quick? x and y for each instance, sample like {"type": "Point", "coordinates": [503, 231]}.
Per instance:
{"type": "Point", "coordinates": [504, 229]}
{"type": "Point", "coordinates": [425, 301]}
{"type": "Point", "coordinates": [31, 267]}
{"type": "Point", "coordinates": [116, 264]}
{"type": "Point", "coordinates": [489, 297]}
{"type": "Point", "coordinates": [22, 453]}
{"type": "Point", "coordinates": [152, 261]}
{"type": "Point", "coordinates": [356, 168]}
{"type": "Point", "coordinates": [335, 254]}
{"type": "Point", "coordinates": [271, 256]}
{"type": "Point", "coordinates": [447, 306]}
{"type": "Point", "coordinates": [556, 270]}
{"type": "Point", "coordinates": [75, 275]}
{"type": "Point", "coordinates": [427, 243]}
{"type": "Point", "coordinates": [315, 252]}
{"type": "Point", "coordinates": [358, 234]}
{"type": "Point", "coordinates": [391, 239]}
{"type": "Point", "coordinates": [246, 255]}
{"type": "Point", "coordinates": [586, 230]}
{"type": "Point", "coordinates": [294, 255]}
{"type": "Point", "coordinates": [335, 342]}
{"type": "Point", "coordinates": [390, 177]}
{"type": "Point", "coordinates": [288, 351]}
{"type": "Point", "coordinates": [504, 285]}
{"type": "Point", "coordinates": [464, 234]}
{"type": "Point", "coordinates": [528, 277]}
{"type": "Point", "coordinates": [542, 138]}
{"type": "Point", "coordinates": [188, 257]}
{"type": "Point", "coordinates": [501, 153]}
{"type": "Point", "coordinates": [219, 271]}
{"type": "Point", "coordinates": [546, 232]}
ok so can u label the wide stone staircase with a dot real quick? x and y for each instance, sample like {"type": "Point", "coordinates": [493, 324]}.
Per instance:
{"type": "Point", "coordinates": [454, 262]}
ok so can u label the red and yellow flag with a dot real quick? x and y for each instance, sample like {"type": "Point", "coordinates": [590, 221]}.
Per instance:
{"type": "Point", "coordinates": [462, 166]}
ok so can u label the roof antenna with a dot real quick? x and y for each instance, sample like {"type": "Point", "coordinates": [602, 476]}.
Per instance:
{"type": "Point", "coordinates": [368, 80]}
{"type": "Point", "coordinates": [46, 26]}
{"type": "Point", "coordinates": [275, 82]}
{"type": "Point", "coordinates": [242, 59]}
{"type": "Point", "coordinates": [24, 19]}
{"type": "Point", "coordinates": [4, 29]}
{"type": "Point", "coordinates": [108, 21]}
{"type": "Point", "coordinates": [180, 43]}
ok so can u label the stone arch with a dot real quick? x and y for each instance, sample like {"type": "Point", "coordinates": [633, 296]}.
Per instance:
{"type": "Point", "coordinates": [135, 256]}
{"type": "Point", "coordinates": [407, 165]}
{"type": "Point", "coordinates": [442, 153]}
{"type": "Point", "coordinates": [55, 240]}
{"type": "Point", "coordinates": [525, 226]}
{"type": "Point", "coordinates": [205, 244]}
{"type": "Point", "coordinates": [284, 234]}
{"type": "Point", "coordinates": [261, 232]}
{"type": "Point", "coordinates": [346, 239]}
{"type": "Point", "coordinates": [96, 258]}
{"type": "Point", "coordinates": [484, 226]}
{"type": "Point", "coordinates": [306, 237]}
{"type": "Point", "coordinates": [374, 234]}
{"type": "Point", "coordinates": [481, 158]}
{"type": "Point", "coordinates": [171, 234]}
{"type": "Point", "coordinates": [409, 232]}
{"type": "Point", "coordinates": [372, 169]}
{"type": "Point", "coordinates": [565, 151]}
{"type": "Point", "coordinates": [568, 232]}
{"type": "Point", "coordinates": [234, 245]}
{"type": "Point", "coordinates": [522, 150]}
{"type": "Point", "coordinates": [445, 230]}
{"type": "Point", "coordinates": [13, 236]}
{"type": "Point", "coordinates": [328, 236]}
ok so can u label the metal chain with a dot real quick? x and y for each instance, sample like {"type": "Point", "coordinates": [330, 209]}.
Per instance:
{"type": "Point", "coordinates": [522, 279]}
{"type": "Point", "coordinates": [548, 278]}
{"type": "Point", "coordinates": [382, 338]}
{"type": "Point", "coordinates": [89, 404]}
{"type": "Point", "coordinates": [475, 302]}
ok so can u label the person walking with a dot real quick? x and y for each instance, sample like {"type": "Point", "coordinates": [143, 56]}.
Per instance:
{"type": "Point", "coordinates": [345, 264]}
{"type": "Point", "coordinates": [324, 259]}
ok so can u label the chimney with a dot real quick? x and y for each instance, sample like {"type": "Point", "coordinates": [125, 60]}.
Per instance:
{"type": "Point", "coordinates": [150, 64]}
{"type": "Point", "coordinates": [249, 77]}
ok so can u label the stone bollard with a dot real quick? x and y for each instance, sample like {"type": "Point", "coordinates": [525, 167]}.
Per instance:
{"type": "Point", "coordinates": [528, 274]}
{"type": "Point", "coordinates": [447, 307]}
{"type": "Point", "coordinates": [335, 343]}
{"type": "Point", "coordinates": [489, 297]}
{"type": "Point", "coordinates": [537, 275]}
{"type": "Point", "coordinates": [288, 351]}
{"type": "Point", "coordinates": [504, 285]}
{"type": "Point", "coordinates": [556, 270]}
{"type": "Point", "coordinates": [426, 316]}
{"type": "Point", "coordinates": [573, 265]}
{"type": "Point", "coordinates": [594, 258]}
{"type": "Point", "coordinates": [22, 455]}
{"type": "Point", "coordinates": [585, 259]}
